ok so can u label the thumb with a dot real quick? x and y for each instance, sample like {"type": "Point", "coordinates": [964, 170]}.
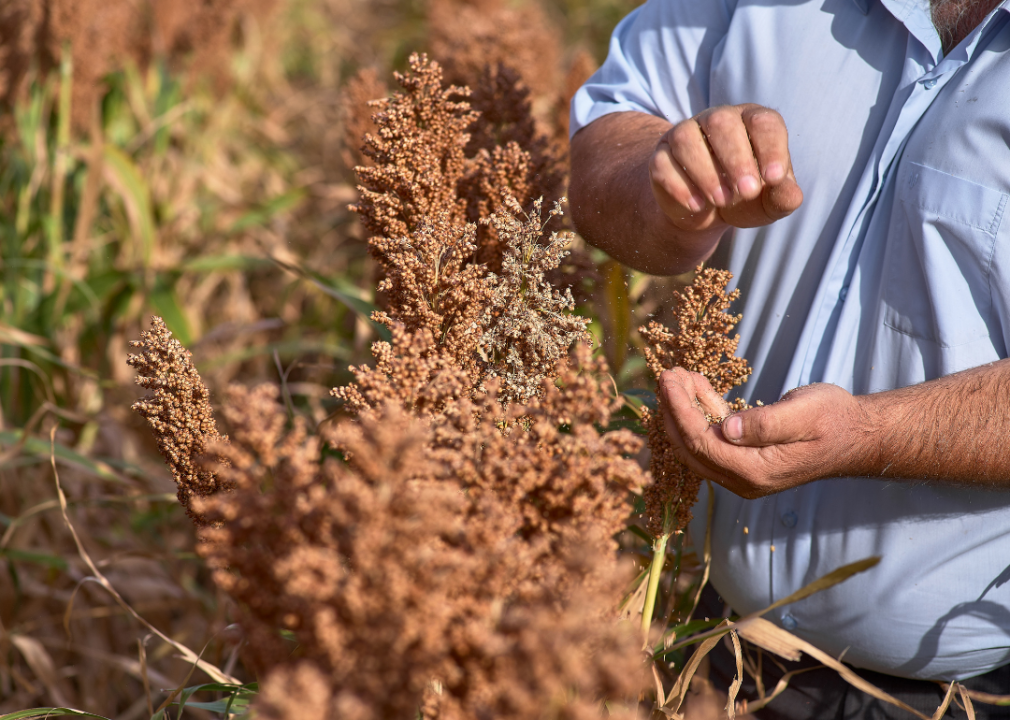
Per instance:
{"type": "Point", "coordinates": [777, 424]}
{"type": "Point", "coordinates": [781, 199]}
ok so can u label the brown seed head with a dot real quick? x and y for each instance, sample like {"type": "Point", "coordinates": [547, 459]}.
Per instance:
{"type": "Point", "coordinates": [178, 411]}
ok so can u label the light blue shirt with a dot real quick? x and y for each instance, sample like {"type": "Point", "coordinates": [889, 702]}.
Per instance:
{"type": "Point", "coordinates": [895, 270]}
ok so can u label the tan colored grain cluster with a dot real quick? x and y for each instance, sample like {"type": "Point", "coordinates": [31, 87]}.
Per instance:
{"type": "Point", "coordinates": [103, 35]}
{"type": "Point", "coordinates": [448, 547]}
{"type": "Point", "coordinates": [701, 343]}
{"type": "Point", "coordinates": [411, 570]}
{"type": "Point", "coordinates": [471, 35]}
{"type": "Point", "coordinates": [178, 411]}
{"type": "Point", "coordinates": [527, 325]}
{"type": "Point", "coordinates": [460, 256]}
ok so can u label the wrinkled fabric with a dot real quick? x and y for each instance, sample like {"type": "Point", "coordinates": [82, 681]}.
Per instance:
{"type": "Point", "coordinates": [895, 270]}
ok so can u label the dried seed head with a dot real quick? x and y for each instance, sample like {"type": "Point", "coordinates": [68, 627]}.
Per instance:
{"type": "Point", "coordinates": [701, 344]}
{"type": "Point", "coordinates": [178, 411]}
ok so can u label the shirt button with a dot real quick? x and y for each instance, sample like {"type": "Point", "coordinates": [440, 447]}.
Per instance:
{"type": "Point", "coordinates": [789, 519]}
{"type": "Point", "coordinates": [789, 622]}
{"type": "Point", "coordinates": [929, 84]}
{"type": "Point", "coordinates": [843, 293]}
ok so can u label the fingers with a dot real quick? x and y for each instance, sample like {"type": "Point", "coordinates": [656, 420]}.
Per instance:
{"type": "Point", "coordinates": [677, 195]}
{"type": "Point", "coordinates": [769, 141]}
{"type": "Point", "coordinates": [730, 163]}
{"type": "Point", "coordinates": [730, 145]}
{"type": "Point", "coordinates": [686, 424]}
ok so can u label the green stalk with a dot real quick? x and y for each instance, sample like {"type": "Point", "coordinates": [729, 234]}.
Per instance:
{"type": "Point", "coordinates": [60, 162]}
{"type": "Point", "coordinates": [655, 570]}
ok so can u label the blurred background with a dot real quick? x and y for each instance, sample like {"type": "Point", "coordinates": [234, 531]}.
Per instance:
{"type": "Point", "coordinates": [194, 159]}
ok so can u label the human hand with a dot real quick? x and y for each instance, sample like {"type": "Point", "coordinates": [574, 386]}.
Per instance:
{"type": "Point", "coordinates": [727, 166]}
{"type": "Point", "coordinates": [813, 432]}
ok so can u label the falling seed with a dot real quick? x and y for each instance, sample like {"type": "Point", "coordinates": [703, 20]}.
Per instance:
{"type": "Point", "coordinates": [746, 530]}
{"type": "Point", "coordinates": [773, 548]}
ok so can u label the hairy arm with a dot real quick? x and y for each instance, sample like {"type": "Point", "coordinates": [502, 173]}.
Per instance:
{"type": "Point", "coordinates": [612, 202]}
{"type": "Point", "coordinates": [953, 429]}
{"type": "Point", "coordinates": [658, 196]}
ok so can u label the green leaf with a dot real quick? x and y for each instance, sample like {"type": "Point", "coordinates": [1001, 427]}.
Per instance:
{"type": "Point", "coordinates": [126, 179]}
{"type": "Point", "coordinates": [638, 397]}
{"type": "Point", "coordinates": [261, 215]}
{"type": "Point", "coordinates": [292, 348]}
{"type": "Point", "coordinates": [166, 304]}
{"type": "Point", "coordinates": [213, 263]}
{"type": "Point", "coordinates": [639, 532]}
{"type": "Point", "coordinates": [48, 713]}
{"type": "Point", "coordinates": [239, 697]}
{"type": "Point", "coordinates": [33, 557]}
{"type": "Point", "coordinates": [37, 446]}
{"type": "Point", "coordinates": [343, 291]}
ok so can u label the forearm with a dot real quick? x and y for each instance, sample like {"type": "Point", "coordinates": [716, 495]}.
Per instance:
{"type": "Point", "coordinates": [955, 428]}
{"type": "Point", "coordinates": [612, 202]}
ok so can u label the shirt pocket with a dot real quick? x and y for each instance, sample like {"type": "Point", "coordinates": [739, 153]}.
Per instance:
{"type": "Point", "coordinates": [939, 251]}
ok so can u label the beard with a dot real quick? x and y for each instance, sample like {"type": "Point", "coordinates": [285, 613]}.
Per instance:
{"type": "Point", "coordinates": [955, 19]}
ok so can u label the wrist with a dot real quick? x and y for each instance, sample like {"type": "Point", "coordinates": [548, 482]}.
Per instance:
{"type": "Point", "coordinates": [867, 422]}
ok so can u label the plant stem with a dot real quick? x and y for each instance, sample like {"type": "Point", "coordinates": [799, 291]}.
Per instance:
{"type": "Point", "coordinates": [655, 570]}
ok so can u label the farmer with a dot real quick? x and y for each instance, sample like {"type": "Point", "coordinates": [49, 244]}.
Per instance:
{"type": "Point", "coordinates": [849, 162]}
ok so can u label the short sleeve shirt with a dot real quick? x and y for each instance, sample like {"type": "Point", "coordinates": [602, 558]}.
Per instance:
{"type": "Point", "coordinates": [895, 270]}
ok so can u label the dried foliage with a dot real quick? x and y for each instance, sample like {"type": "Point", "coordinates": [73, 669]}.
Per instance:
{"type": "Point", "coordinates": [102, 35]}
{"type": "Point", "coordinates": [702, 344]}
{"type": "Point", "coordinates": [178, 411]}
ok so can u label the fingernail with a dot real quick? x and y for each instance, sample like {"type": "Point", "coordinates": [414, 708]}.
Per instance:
{"type": "Point", "coordinates": [748, 186]}
{"type": "Point", "coordinates": [696, 203]}
{"type": "Point", "coordinates": [774, 172]}
{"type": "Point", "coordinates": [732, 428]}
{"type": "Point", "coordinates": [719, 197]}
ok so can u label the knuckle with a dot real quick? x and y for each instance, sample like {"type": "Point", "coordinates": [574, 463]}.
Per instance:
{"type": "Point", "coordinates": [721, 120]}
{"type": "Point", "coordinates": [763, 425]}
{"type": "Point", "coordinates": [682, 135]}
{"type": "Point", "coordinates": [766, 118]}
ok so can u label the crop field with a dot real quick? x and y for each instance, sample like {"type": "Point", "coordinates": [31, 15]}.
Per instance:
{"type": "Point", "coordinates": [312, 405]}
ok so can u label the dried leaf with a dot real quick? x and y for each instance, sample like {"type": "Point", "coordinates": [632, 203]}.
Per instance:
{"type": "Point", "coordinates": [940, 711]}
{"type": "Point", "coordinates": [966, 700]}
{"type": "Point", "coordinates": [42, 666]}
{"type": "Point", "coordinates": [680, 688]}
{"type": "Point", "coordinates": [764, 633]}
{"type": "Point", "coordinates": [734, 688]}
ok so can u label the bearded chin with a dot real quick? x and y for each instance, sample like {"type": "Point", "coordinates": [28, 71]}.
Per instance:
{"type": "Point", "coordinates": [954, 19]}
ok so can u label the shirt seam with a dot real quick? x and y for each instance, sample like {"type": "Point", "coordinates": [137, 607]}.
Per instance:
{"type": "Point", "coordinates": [996, 222]}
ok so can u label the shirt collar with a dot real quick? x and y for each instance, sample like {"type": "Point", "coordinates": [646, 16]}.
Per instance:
{"type": "Point", "coordinates": [915, 16]}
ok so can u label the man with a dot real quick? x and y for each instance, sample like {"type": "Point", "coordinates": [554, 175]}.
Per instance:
{"type": "Point", "coordinates": [849, 162]}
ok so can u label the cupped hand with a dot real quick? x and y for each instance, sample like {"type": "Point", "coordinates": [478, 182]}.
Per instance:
{"type": "Point", "coordinates": [813, 432]}
{"type": "Point", "coordinates": [728, 166]}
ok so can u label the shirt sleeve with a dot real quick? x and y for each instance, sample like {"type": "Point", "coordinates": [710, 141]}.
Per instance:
{"type": "Point", "coordinates": [659, 62]}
